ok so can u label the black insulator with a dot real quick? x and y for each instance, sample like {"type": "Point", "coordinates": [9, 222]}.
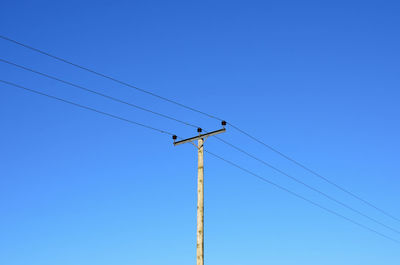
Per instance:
{"type": "Point", "coordinates": [199, 130]}
{"type": "Point", "coordinates": [223, 123]}
{"type": "Point", "coordinates": [174, 137]}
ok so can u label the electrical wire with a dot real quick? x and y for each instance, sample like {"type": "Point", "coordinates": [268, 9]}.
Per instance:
{"type": "Point", "coordinates": [316, 173]}
{"type": "Point", "coordinates": [219, 157]}
{"type": "Point", "coordinates": [107, 77]}
{"type": "Point", "coordinates": [86, 107]}
{"type": "Point", "coordinates": [218, 138]}
{"type": "Point", "coordinates": [210, 116]}
{"type": "Point", "coordinates": [96, 92]}
{"type": "Point", "coordinates": [303, 198]}
{"type": "Point", "coordinates": [307, 185]}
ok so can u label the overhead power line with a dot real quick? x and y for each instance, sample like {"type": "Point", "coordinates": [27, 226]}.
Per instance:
{"type": "Point", "coordinates": [210, 116]}
{"type": "Point", "coordinates": [108, 77]}
{"type": "Point", "coordinates": [219, 157]}
{"type": "Point", "coordinates": [307, 185]}
{"type": "Point", "coordinates": [303, 198]}
{"type": "Point", "coordinates": [86, 107]}
{"type": "Point", "coordinates": [97, 93]}
{"type": "Point", "coordinates": [220, 139]}
{"type": "Point", "coordinates": [317, 174]}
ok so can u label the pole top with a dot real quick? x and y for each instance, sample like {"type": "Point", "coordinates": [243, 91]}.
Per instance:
{"type": "Point", "coordinates": [200, 136]}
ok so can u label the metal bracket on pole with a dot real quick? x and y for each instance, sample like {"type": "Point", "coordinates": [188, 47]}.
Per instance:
{"type": "Point", "coordinates": [205, 135]}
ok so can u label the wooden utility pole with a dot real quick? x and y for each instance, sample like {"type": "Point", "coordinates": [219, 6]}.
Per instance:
{"type": "Point", "coordinates": [200, 203]}
{"type": "Point", "coordinates": [200, 186]}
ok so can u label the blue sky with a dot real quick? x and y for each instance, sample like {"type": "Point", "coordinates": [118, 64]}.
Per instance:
{"type": "Point", "coordinates": [318, 80]}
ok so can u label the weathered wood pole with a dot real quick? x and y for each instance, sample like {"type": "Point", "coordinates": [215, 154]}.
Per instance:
{"type": "Point", "coordinates": [200, 203]}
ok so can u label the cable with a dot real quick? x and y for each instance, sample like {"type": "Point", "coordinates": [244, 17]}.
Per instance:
{"type": "Point", "coordinates": [307, 185]}
{"type": "Point", "coordinates": [165, 132]}
{"type": "Point", "coordinates": [208, 115]}
{"type": "Point", "coordinates": [303, 198]}
{"type": "Point", "coordinates": [95, 92]}
{"type": "Point", "coordinates": [108, 77]}
{"type": "Point", "coordinates": [220, 139]}
{"type": "Point", "coordinates": [316, 174]}
{"type": "Point", "coordinates": [86, 107]}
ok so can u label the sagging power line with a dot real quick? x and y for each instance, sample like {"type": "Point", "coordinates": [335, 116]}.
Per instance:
{"type": "Point", "coordinates": [219, 157]}
{"type": "Point", "coordinates": [297, 180]}
{"type": "Point", "coordinates": [327, 180]}
{"type": "Point", "coordinates": [86, 107]}
{"type": "Point", "coordinates": [96, 92]}
{"type": "Point", "coordinates": [302, 197]}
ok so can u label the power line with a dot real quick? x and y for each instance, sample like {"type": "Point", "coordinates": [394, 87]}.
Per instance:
{"type": "Point", "coordinates": [86, 107]}
{"type": "Point", "coordinates": [303, 198]}
{"type": "Point", "coordinates": [316, 173]}
{"type": "Point", "coordinates": [108, 77]}
{"type": "Point", "coordinates": [169, 133]}
{"type": "Point", "coordinates": [307, 185]}
{"type": "Point", "coordinates": [220, 139]}
{"type": "Point", "coordinates": [96, 92]}
{"type": "Point", "coordinates": [208, 115]}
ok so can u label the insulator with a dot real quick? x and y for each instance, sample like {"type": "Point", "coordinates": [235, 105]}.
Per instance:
{"type": "Point", "coordinates": [174, 137]}
{"type": "Point", "coordinates": [223, 123]}
{"type": "Point", "coordinates": [199, 130]}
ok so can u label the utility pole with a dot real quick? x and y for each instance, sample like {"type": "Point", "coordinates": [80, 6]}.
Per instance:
{"type": "Point", "coordinates": [200, 185]}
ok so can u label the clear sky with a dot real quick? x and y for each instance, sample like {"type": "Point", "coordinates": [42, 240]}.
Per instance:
{"type": "Point", "coordinates": [318, 80]}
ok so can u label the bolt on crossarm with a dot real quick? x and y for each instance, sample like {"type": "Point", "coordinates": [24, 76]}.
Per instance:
{"type": "Point", "coordinates": [200, 185]}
